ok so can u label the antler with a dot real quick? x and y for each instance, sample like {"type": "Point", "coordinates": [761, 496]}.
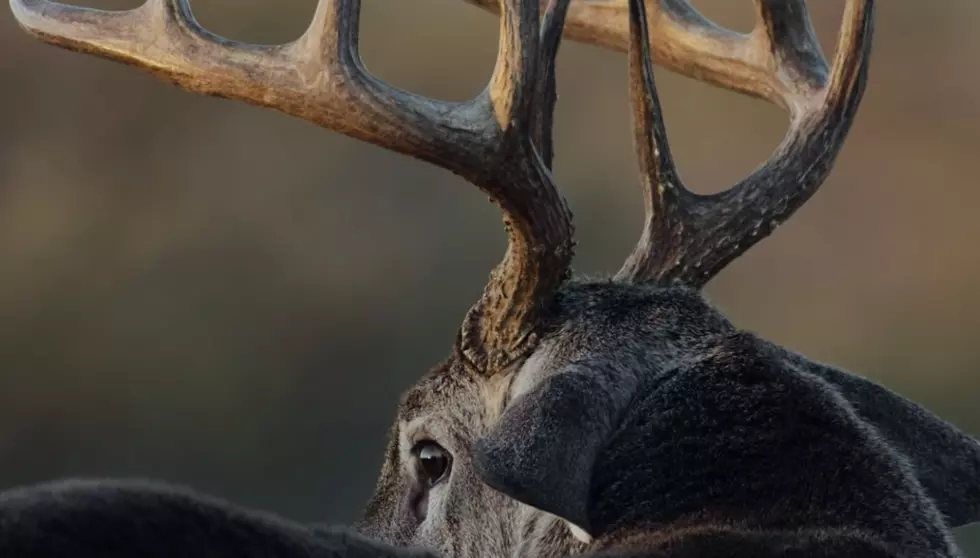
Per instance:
{"type": "Point", "coordinates": [490, 140]}
{"type": "Point", "coordinates": [687, 237]}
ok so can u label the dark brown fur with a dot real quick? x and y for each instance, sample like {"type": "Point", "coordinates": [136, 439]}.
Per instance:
{"type": "Point", "coordinates": [656, 425]}
{"type": "Point", "coordinates": [645, 406]}
{"type": "Point", "coordinates": [611, 418]}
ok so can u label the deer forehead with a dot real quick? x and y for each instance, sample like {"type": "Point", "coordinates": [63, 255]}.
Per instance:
{"type": "Point", "coordinates": [449, 404]}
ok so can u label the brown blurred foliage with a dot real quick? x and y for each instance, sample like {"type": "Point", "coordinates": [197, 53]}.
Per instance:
{"type": "Point", "coordinates": [218, 295]}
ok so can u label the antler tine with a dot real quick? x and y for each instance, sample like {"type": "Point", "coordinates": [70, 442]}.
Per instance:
{"type": "Point", "coordinates": [690, 238]}
{"type": "Point", "coordinates": [552, 26]}
{"type": "Point", "coordinates": [688, 43]}
{"type": "Point", "coordinates": [796, 56]}
{"type": "Point", "coordinates": [667, 201]}
{"type": "Point", "coordinates": [320, 78]}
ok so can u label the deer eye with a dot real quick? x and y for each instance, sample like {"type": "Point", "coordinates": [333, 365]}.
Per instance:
{"type": "Point", "coordinates": [433, 461]}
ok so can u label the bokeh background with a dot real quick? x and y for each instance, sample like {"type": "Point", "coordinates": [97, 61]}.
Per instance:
{"type": "Point", "coordinates": [221, 296]}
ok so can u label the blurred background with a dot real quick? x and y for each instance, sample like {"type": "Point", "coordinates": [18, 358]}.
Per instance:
{"type": "Point", "coordinates": [221, 296]}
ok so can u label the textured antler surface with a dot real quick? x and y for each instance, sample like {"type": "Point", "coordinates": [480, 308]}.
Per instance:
{"type": "Point", "coordinates": [489, 140]}
{"type": "Point", "coordinates": [687, 42]}
{"type": "Point", "coordinates": [690, 238]}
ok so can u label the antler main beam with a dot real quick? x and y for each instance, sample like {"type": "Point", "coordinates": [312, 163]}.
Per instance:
{"type": "Point", "coordinates": [690, 238]}
{"type": "Point", "coordinates": [489, 140]}
{"type": "Point", "coordinates": [501, 140]}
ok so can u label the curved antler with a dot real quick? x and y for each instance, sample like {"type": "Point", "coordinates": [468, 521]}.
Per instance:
{"type": "Point", "coordinates": [690, 238]}
{"type": "Point", "coordinates": [489, 140]}
{"type": "Point", "coordinates": [685, 42]}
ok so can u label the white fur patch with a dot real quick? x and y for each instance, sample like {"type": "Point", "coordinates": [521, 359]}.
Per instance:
{"type": "Point", "coordinates": [578, 532]}
{"type": "Point", "coordinates": [536, 368]}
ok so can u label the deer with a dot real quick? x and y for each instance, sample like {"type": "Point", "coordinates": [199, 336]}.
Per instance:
{"type": "Point", "coordinates": [623, 416]}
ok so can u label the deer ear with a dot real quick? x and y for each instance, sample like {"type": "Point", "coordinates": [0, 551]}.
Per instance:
{"type": "Point", "coordinates": [543, 449]}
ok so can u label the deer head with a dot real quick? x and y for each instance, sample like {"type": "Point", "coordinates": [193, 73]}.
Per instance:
{"type": "Point", "coordinates": [548, 424]}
